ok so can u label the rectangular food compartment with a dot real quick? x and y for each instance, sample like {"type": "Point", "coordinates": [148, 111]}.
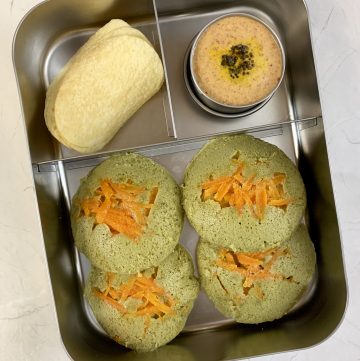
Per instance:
{"type": "Point", "coordinates": [47, 39]}
{"type": "Point", "coordinates": [189, 119]}
{"type": "Point", "coordinates": [203, 316]}
{"type": "Point", "coordinates": [171, 130]}
{"type": "Point", "coordinates": [297, 96]}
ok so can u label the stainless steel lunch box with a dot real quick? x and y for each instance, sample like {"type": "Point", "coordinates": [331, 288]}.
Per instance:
{"type": "Point", "coordinates": [171, 128]}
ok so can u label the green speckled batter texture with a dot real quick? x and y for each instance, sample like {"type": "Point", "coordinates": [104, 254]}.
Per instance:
{"type": "Point", "coordinates": [225, 289]}
{"type": "Point", "coordinates": [118, 253]}
{"type": "Point", "coordinates": [176, 276]}
{"type": "Point", "coordinates": [224, 226]}
{"type": "Point", "coordinates": [164, 353]}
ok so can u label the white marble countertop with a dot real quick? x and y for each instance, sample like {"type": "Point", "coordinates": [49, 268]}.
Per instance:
{"type": "Point", "coordinates": [28, 326]}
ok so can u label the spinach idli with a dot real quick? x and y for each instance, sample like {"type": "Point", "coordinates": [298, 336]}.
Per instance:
{"type": "Point", "coordinates": [146, 310]}
{"type": "Point", "coordinates": [126, 215]}
{"type": "Point", "coordinates": [108, 79]}
{"type": "Point", "coordinates": [243, 193]}
{"type": "Point", "coordinates": [259, 286]}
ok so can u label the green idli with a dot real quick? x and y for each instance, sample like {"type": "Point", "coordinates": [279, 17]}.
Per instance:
{"type": "Point", "coordinates": [126, 215]}
{"type": "Point", "coordinates": [168, 352]}
{"type": "Point", "coordinates": [243, 193]}
{"type": "Point", "coordinates": [257, 287]}
{"type": "Point", "coordinates": [146, 310]}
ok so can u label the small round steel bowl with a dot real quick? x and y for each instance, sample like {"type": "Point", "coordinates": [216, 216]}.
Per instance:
{"type": "Point", "coordinates": [223, 108]}
{"type": "Point", "coordinates": [190, 87]}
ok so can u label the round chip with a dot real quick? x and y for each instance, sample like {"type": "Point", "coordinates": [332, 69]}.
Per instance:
{"type": "Point", "coordinates": [146, 310]}
{"type": "Point", "coordinates": [101, 87]}
{"type": "Point", "coordinates": [126, 215]}
{"type": "Point", "coordinates": [243, 193]}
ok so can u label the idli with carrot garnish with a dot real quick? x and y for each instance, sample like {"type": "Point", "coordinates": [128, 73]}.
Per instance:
{"type": "Point", "coordinates": [243, 193]}
{"type": "Point", "coordinates": [255, 287]}
{"type": "Point", "coordinates": [126, 215]}
{"type": "Point", "coordinates": [146, 310]}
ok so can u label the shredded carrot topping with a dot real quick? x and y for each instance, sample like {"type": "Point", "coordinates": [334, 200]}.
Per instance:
{"type": "Point", "coordinates": [118, 205]}
{"type": "Point", "coordinates": [238, 191]}
{"type": "Point", "coordinates": [154, 301]}
{"type": "Point", "coordinates": [253, 266]}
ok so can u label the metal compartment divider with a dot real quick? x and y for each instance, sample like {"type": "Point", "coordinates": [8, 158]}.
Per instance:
{"type": "Point", "coordinates": [176, 146]}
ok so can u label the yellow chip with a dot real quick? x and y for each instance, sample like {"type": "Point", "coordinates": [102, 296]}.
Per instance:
{"type": "Point", "coordinates": [102, 86]}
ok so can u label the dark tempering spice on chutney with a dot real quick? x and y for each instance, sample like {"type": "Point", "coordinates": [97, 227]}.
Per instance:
{"type": "Point", "coordinates": [239, 60]}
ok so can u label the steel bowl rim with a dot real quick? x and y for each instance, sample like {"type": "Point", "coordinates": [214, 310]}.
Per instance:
{"type": "Point", "coordinates": [192, 51]}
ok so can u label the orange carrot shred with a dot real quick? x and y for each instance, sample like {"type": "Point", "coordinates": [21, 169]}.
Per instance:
{"type": "Point", "coordinates": [110, 301]}
{"type": "Point", "coordinates": [155, 302]}
{"type": "Point", "coordinates": [247, 185]}
{"type": "Point", "coordinates": [118, 206]}
{"type": "Point", "coordinates": [238, 191]}
{"type": "Point", "coordinates": [252, 266]}
{"type": "Point", "coordinates": [106, 189]}
{"type": "Point", "coordinates": [279, 202]}
{"type": "Point", "coordinates": [247, 260]}
{"type": "Point", "coordinates": [223, 190]}
{"type": "Point", "coordinates": [261, 200]}
{"type": "Point", "coordinates": [209, 192]}
{"type": "Point", "coordinates": [103, 210]}
{"type": "Point", "coordinates": [215, 182]}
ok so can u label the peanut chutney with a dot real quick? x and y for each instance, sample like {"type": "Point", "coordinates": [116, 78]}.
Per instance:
{"type": "Point", "coordinates": [237, 61]}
